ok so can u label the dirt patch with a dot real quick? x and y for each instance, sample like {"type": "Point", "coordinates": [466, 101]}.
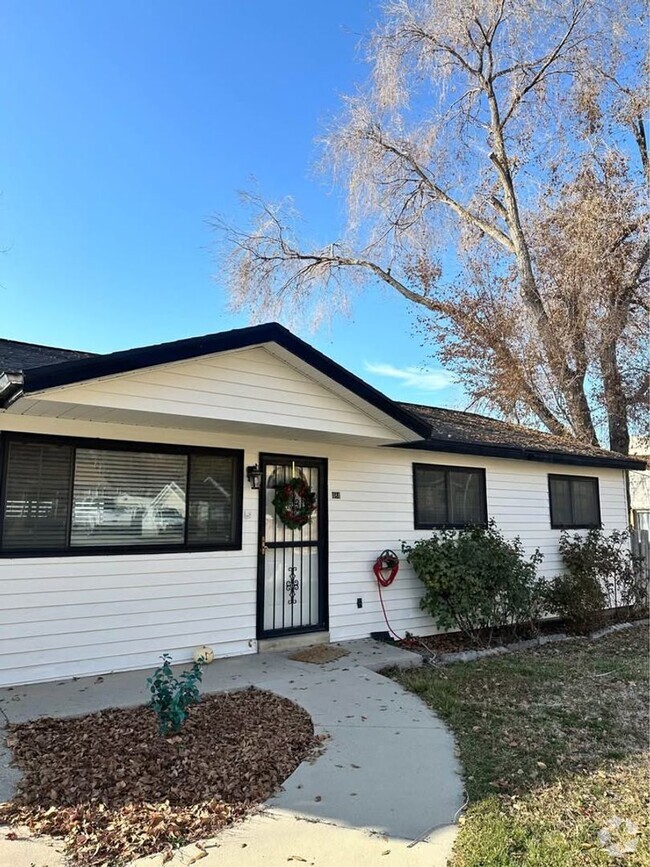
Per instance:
{"type": "Point", "coordinates": [319, 654]}
{"type": "Point", "coordinates": [452, 642]}
{"type": "Point", "coordinates": [115, 789]}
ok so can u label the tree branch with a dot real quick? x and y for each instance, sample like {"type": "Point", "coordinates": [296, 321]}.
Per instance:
{"type": "Point", "coordinates": [384, 274]}
{"type": "Point", "coordinates": [642, 143]}
{"type": "Point", "coordinates": [635, 277]}
{"type": "Point", "coordinates": [546, 62]}
{"type": "Point", "coordinates": [478, 222]}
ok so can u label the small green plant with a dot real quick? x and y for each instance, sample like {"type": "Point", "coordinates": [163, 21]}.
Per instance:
{"type": "Point", "coordinates": [171, 696]}
{"type": "Point", "coordinates": [601, 575]}
{"type": "Point", "coordinates": [476, 580]}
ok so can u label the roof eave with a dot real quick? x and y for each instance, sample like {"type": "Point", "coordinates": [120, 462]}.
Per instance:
{"type": "Point", "coordinates": [525, 454]}
{"type": "Point", "coordinates": [63, 373]}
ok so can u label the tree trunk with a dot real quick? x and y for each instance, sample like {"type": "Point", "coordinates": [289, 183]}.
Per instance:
{"type": "Point", "coordinates": [617, 416]}
{"type": "Point", "coordinates": [570, 382]}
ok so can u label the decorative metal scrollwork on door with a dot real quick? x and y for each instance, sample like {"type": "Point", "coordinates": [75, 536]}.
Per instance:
{"type": "Point", "coordinates": [292, 585]}
{"type": "Point", "coordinates": [292, 550]}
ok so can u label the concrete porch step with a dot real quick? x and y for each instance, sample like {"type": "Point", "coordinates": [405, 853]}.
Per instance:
{"type": "Point", "coordinates": [292, 642]}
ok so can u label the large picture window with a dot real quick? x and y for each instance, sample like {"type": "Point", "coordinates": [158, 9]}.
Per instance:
{"type": "Point", "coordinates": [77, 496]}
{"type": "Point", "coordinates": [448, 497]}
{"type": "Point", "coordinates": [574, 502]}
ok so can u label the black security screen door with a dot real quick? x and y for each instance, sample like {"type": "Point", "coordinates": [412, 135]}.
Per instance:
{"type": "Point", "coordinates": [292, 578]}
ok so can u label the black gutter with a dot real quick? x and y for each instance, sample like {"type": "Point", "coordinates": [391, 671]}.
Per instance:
{"type": "Point", "coordinates": [524, 454]}
{"type": "Point", "coordinates": [80, 370]}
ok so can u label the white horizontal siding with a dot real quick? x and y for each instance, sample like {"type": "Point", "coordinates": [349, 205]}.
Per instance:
{"type": "Point", "coordinates": [70, 616]}
{"type": "Point", "coordinates": [34, 668]}
{"type": "Point", "coordinates": [250, 386]}
{"type": "Point", "coordinates": [517, 497]}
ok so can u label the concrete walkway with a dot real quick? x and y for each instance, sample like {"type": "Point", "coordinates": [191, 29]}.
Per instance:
{"type": "Point", "coordinates": [388, 775]}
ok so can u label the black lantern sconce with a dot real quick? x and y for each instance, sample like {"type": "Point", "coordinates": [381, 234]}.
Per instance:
{"type": "Point", "coordinates": [254, 476]}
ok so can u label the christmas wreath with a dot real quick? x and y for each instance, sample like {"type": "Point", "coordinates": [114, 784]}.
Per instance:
{"type": "Point", "coordinates": [294, 503]}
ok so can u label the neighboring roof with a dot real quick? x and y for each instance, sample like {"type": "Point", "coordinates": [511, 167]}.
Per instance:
{"type": "Point", "coordinates": [640, 447]}
{"type": "Point", "coordinates": [469, 433]}
{"type": "Point", "coordinates": [16, 355]}
{"type": "Point", "coordinates": [83, 366]}
{"type": "Point", "coordinates": [442, 430]}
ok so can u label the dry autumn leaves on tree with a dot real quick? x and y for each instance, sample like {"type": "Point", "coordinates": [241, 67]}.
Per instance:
{"type": "Point", "coordinates": [495, 170]}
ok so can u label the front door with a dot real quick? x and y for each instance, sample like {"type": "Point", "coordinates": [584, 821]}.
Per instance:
{"type": "Point", "coordinates": [292, 576]}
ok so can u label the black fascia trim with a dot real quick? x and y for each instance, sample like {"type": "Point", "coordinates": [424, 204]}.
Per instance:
{"type": "Point", "coordinates": [522, 454]}
{"type": "Point", "coordinates": [80, 370]}
{"type": "Point", "coordinates": [127, 446]}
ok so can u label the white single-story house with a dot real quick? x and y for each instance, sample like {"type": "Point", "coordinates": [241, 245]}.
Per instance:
{"type": "Point", "coordinates": [137, 492]}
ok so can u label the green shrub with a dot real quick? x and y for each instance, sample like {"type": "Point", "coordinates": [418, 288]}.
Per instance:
{"type": "Point", "coordinates": [476, 580]}
{"type": "Point", "coordinates": [579, 600]}
{"type": "Point", "coordinates": [171, 696]}
{"type": "Point", "coordinates": [601, 574]}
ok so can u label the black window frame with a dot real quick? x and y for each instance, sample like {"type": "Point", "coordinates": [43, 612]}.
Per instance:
{"type": "Point", "coordinates": [427, 525]}
{"type": "Point", "coordinates": [126, 446]}
{"type": "Point", "coordinates": [571, 478]}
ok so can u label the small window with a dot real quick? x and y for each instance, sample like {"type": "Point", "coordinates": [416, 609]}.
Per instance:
{"type": "Point", "coordinates": [574, 502]}
{"type": "Point", "coordinates": [74, 497]}
{"type": "Point", "coordinates": [451, 497]}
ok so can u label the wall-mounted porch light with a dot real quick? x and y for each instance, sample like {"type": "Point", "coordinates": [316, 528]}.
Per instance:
{"type": "Point", "coordinates": [254, 476]}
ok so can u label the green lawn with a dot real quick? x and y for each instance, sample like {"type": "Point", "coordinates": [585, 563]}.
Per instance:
{"type": "Point", "coordinates": [554, 744]}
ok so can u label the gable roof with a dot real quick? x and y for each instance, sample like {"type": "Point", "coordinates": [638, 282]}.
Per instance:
{"type": "Point", "coordinates": [30, 368]}
{"type": "Point", "coordinates": [84, 367]}
{"type": "Point", "coordinates": [469, 433]}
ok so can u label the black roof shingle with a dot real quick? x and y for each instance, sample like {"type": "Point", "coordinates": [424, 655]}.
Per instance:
{"type": "Point", "coordinates": [456, 431]}
{"type": "Point", "coordinates": [16, 355]}
{"type": "Point", "coordinates": [444, 430]}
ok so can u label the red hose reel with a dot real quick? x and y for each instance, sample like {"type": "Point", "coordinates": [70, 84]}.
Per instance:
{"type": "Point", "coordinates": [387, 562]}
{"type": "Point", "coordinates": [385, 569]}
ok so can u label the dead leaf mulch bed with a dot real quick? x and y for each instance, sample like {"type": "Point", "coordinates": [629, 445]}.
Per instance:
{"type": "Point", "coordinates": [115, 789]}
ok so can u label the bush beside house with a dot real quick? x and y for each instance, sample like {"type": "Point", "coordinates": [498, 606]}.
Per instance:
{"type": "Point", "coordinates": [476, 581]}
{"type": "Point", "coordinates": [601, 576]}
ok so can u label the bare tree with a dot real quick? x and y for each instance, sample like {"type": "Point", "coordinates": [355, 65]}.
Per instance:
{"type": "Point", "coordinates": [495, 171]}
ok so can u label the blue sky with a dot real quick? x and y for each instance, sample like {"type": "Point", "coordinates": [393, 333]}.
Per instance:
{"type": "Point", "coordinates": [126, 125]}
